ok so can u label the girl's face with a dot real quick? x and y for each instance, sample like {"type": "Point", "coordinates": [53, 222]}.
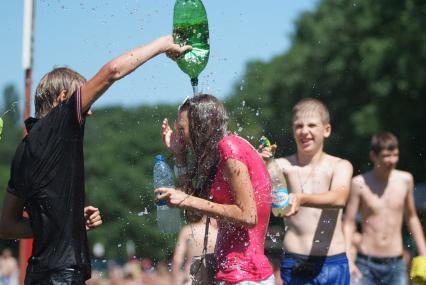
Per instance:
{"type": "Point", "coordinates": [182, 128]}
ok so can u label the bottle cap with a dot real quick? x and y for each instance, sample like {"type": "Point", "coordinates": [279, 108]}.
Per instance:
{"type": "Point", "coordinates": [159, 157]}
{"type": "Point", "coordinates": [264, 141]}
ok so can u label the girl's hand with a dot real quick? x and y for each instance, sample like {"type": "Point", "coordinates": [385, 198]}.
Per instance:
{"type": "Point", "coordinates": [174, 142]}
{"type": "Point", "coordinates": [174, 198]}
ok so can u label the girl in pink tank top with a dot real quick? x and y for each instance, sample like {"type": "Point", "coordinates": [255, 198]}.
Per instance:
{"type": "Point", "coordinates": [229, 182]}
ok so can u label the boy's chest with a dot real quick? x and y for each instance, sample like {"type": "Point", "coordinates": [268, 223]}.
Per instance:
{"type": "Point", "coordinates": [311, 182]}
{"type": "Point", "coordinates": [391, 198]}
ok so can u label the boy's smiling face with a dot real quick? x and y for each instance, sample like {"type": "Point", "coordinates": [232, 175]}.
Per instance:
{"type": "Point", "coordinates": [309, 131]}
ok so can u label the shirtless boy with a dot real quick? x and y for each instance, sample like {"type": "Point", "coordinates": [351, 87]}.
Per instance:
{"type": "Point", "coordinates": [190, 249]}
{"type": "Point", "coordinates": [384, 197]}
{"type": "Point", "coordinates": [314, 244]}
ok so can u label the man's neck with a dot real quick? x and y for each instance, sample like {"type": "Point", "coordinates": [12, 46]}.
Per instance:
{"type": "Point", "coordinates": [304, 159]}
{"type": "Point", "coordinates": [381, 174]}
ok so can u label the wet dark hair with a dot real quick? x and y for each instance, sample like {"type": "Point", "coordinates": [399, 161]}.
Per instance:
{"type": "Point", "coordinates": [193, 216]}
{"type": "Point", "coordinates": [208, 124]}
{"type": "Point", "coordinates": [383, 141]}
{"type": "Point", "coordinates": [51, 86]}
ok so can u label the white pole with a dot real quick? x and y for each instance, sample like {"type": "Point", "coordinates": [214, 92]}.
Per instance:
{"type": "Point", "coordinates": [25, 245]}
{"type": "Point", "coordinates": [27, 49]}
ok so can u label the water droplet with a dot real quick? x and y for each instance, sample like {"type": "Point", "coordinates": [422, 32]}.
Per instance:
{"type": "Point", "coordinates": [145, 212]}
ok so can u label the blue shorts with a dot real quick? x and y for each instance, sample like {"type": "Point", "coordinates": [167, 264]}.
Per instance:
{"type": "Point", "coordinates": [297, 269]}
{"type": "Point", "coordinates": [381, 270]}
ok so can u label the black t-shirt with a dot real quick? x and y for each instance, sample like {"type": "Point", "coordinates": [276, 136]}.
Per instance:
{"type": "Point", "coordinates": [48, 173]}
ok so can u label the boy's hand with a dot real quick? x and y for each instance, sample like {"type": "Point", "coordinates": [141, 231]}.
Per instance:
{"type": "Point", "coordinates": [93, 217]}
{"type": "Point", "coordinates": [354, 272]}
{"type": "Point", "coordinates": [172, 50]}
{"type": "Point", "coordinates": [266, 152]}
{"type": "Point", "coordinates": [294, 201]}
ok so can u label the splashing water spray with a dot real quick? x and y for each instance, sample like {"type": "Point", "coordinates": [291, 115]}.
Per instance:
{"type": "Point", "coordinates": [4, 114]}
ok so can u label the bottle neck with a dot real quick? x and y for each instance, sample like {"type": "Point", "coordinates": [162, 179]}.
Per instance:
{"type": "Point", "coordinates": [194, 83]}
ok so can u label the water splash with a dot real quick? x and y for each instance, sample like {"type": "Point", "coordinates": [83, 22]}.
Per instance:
{"type": "Point", "coordinates": [145, 212]}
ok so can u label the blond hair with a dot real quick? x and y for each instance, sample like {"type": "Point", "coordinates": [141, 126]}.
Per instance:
{"type": "Point", "coordinates": [312, 105]}
{"type": "Point", "coordinates": [51, 86]}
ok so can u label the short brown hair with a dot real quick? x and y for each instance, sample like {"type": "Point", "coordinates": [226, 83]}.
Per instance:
{"type": "Point", "coordinates": [313, 105]}
{"type": "Point", "coordinates": [52, 84]}
{"type": "Point", "coordinates": [383, 141]}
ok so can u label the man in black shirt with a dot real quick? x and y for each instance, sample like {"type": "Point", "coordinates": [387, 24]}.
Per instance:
{"type": "Point", "coordinates": [47, 171]}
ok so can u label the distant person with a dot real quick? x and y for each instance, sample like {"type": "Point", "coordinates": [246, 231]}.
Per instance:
{"type": "Point", "coordinates": [162, 275]}
{"type": "Point", "coordinates": [228, 182]}
{"type": "Point", "coordinates": [384, 197]}
{"type": "Point", "coordinates": [189, 251]}
{"type": "Point", "coordinates": [314, 243]}
{"type": "Point", "coordinates": [47, 172]}
{"type": "Point", "coordinates": [8, 268]}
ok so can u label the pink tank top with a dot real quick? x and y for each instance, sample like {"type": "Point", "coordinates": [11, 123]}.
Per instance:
{"type": "Point", "coordinates": [240, 251]}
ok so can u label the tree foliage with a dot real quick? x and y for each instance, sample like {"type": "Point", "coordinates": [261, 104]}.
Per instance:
{"type": "Point", "coordinates": [366, 61]}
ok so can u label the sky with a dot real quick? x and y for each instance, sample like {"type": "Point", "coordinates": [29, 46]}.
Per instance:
{"type": "Point", "coordinates": [84, 35]}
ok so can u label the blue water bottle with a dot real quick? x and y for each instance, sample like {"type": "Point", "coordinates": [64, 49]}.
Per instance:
{"type": "Point", "coordinates": [168, 219]}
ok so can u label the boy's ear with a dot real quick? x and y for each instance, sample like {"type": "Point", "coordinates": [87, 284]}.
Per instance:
{"type": "Point", "coordinates": [327, 130]}
{"type": "Point", "coordinates": [372, 155]}
{"type": "Point", "coordinates": [62, 96]}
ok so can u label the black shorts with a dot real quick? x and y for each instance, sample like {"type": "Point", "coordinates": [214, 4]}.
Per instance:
{"type": "Point", "coordinates": [67, 276]}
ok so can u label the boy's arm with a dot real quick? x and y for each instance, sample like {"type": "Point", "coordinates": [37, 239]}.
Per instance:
{"type": "Point", "coordinates": [123, 65]}
{"type": "Point", "coordinates": [180, 252]}
{"type": "Point", "coordinates": [339, 189]}
{"type": "Point", "coordinates": [12, 224]}
{"type": "Point", "coordinates": [349, 226]}
{"type": "Point", "coordinates": [412, 220]}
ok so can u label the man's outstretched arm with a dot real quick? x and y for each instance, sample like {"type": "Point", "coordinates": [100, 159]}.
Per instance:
{"type": "Point", "coordinates": [125, 64]}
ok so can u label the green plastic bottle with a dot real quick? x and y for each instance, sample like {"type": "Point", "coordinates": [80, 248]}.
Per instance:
{"type": "Point", "coordinates": [190, 27]}
{"type": "Point", "coordinates": [1, 126]}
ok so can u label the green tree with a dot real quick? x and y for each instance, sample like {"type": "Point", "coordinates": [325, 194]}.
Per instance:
{"type": "Point", "coordinates": [11, 132]}
{"type": "Point", "coordinates": [120, 146]}
{"type": "Point", "coordinates": [366, 61]}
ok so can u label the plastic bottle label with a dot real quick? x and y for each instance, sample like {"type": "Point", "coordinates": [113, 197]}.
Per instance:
{"type": "Point", "coordinates": [279, 198]}
{"type": "Point", "coordinates": [161, 203]}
